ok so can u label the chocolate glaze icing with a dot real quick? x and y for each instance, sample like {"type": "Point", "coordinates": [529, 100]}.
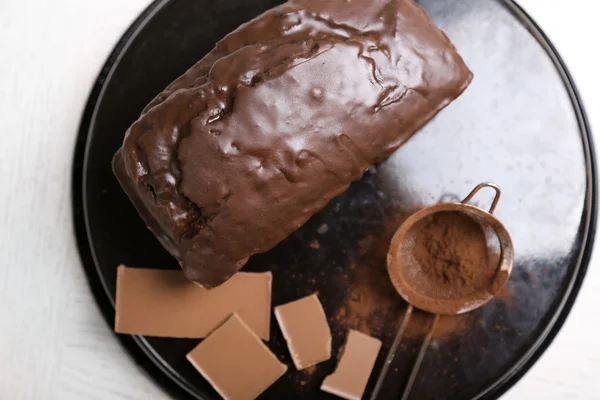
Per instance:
{"type": "Point", "coordinates": [279, 118]}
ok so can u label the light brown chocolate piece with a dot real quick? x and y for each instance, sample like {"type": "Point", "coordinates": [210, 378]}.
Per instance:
{"type": "Point", "coordinates": [305, 328]}
{"type": "Point", "coordinates": [235, 361]}
{"type": "Point", "coordinates": [156, 302]}
{"type": "Point", "coordinates": [354, 368]}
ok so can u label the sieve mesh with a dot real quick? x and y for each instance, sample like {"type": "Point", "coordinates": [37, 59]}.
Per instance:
{"type": "Point", "coordinates": [419, 276]}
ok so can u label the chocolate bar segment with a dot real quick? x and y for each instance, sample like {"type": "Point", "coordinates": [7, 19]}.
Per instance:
{"type": "Point", "coordinates": [304, 326]}
{"type": "Point", "coordinates": [235, 362]}
{"type": "Point", "coordinates": [282, 116]}
{"type": "Point", "coordinates": [156, 302]}
{"type": "Point", "coordinates": [354, 368]}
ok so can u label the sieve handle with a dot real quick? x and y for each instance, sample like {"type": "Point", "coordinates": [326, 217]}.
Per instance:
{"type": "Point", "coordinates": [481, 186]}
{"type": "Point", "coordinates": [417, 364]}
{"type": "Point", "coordinates": [383, 375]}
{"type": "Point", "coordinates": [392, 353]}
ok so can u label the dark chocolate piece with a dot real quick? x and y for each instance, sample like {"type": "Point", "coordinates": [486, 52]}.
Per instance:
{"type": "Point", "coordinates": [278, 119]}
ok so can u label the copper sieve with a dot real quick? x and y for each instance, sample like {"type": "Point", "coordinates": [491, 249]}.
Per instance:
{"type": "Point", "coordinates": [410, 279]}
{"type": "Point", "coordinates": [416, 287]}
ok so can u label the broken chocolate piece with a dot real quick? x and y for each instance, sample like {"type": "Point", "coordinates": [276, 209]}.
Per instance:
{"type": "Point", "coordinates": [156, 302]}
{"type": "Point", "coordinates": [235, 361]}
{"type": "Point", "coordinates": [354, 368]}
{"type": "Point", "coordinates": [306, 331]}
{"type": "Point", "coordinates": [282, 116]}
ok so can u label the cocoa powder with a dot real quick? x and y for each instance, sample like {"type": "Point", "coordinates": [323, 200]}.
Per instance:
{"type": "Point", "coordinates": [371, 300]}
{"type": "Point", "coordinates": [372, 305]}
{"type": "Point", "coordinates": [451, 250]}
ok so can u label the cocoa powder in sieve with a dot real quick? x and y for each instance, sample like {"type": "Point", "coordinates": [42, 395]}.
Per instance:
{"type": "Point", "coordinates": [451, 250]}
{"type": "Point", "coordinates": [372, 305]}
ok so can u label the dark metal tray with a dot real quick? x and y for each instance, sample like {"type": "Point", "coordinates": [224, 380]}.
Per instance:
{"type": "Point", "coordinates": [520, 124]}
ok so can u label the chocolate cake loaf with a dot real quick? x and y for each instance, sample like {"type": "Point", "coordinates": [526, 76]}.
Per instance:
{"type": "Point", "coordinates": [280, 117]}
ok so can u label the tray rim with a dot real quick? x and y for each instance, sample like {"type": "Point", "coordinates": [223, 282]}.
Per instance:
{"type": "Point", "coordinates": [161, 373]}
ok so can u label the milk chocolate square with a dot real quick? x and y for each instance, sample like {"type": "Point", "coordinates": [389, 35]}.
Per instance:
{"type": "Point", "coordinates": [157, 302]}
{"type": "Point", "coordinates": [354, 368]}
{"type": "Point", "coordinates": [236, 362]}
{"type": "Point", "coordinates": [305, 328]}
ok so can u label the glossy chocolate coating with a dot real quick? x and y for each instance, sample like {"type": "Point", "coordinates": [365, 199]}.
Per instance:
{"type": "Point", "coordinates": [282, 116]}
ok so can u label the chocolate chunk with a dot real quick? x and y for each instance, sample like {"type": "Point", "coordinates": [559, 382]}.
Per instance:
{"type": "Point", "coordinates": [282, 116]}
{"type": "Point", "coordinates": [354, 368]}
{"type": "Point", "coordinates": [235, 361]}
{"type": "Point", "coordinates": [156, 302]}
{"type": "Point", "coordinates": [305, 328]}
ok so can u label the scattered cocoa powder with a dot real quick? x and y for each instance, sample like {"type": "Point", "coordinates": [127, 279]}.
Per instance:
{"type": "Point", "coordinates": [370, 300]}
{"type": "Point", "coordinates": [451, 250]}
{"type": "Point", "coordinates": [372, 305]}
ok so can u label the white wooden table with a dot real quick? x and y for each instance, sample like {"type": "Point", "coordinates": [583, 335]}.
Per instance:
{"type": "Point", "coordinates": [54, 343]}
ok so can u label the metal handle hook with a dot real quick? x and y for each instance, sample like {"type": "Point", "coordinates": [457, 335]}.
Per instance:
{"type": "Point", "coordinates": [481, 186]}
